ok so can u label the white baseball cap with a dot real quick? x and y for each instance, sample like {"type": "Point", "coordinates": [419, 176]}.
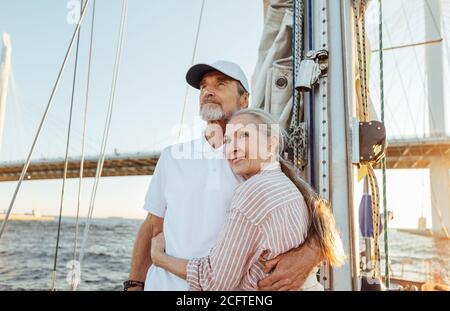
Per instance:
{"type": "Point", "coordinates": [195, 74]}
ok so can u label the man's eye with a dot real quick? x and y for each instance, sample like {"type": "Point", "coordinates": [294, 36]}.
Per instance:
{"type": "Point", "coordinates": [226, 140]}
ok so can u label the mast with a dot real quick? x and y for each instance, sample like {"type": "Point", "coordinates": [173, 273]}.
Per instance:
{"type": "Point", "coordinates": [331, 108]}
{"type": "Point", "coordinates": [5, 68]}
{"type": "Point", "coordinates": [340, 115]}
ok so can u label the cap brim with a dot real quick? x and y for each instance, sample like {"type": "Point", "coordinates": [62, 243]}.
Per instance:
{"type": "Point", "coordinates": [196, 73]}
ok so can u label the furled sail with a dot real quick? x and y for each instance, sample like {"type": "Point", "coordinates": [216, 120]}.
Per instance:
{"type": "Point", "coordinates": [272, 79]}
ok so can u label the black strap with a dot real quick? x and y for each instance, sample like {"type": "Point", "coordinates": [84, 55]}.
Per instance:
{"type": "Point", "coordinates": [131, 283]}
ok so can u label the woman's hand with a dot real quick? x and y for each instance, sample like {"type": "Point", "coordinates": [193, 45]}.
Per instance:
{"type": "Point", "coordinates": [160, 259]}
{"type": "Point", "coordinates": [158, 249]}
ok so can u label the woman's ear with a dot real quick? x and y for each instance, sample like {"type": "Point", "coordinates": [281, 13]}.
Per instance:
{"type": "Point", "coordinates": [273, 146]}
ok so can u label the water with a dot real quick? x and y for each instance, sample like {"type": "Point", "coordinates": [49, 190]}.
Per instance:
{"type": "Point", "coordinates": [417, 258]}
{"type": "Point", "coordinates": [27, 250]}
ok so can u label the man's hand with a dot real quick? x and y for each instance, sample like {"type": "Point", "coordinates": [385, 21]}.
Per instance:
{"type": "Point", "coordinates": [290, 270]}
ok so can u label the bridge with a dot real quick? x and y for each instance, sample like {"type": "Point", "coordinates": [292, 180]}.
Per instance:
{"type": "Point", "coordinates": [400, 154]}
{"type": "Point", "coordinates": [114, 165]}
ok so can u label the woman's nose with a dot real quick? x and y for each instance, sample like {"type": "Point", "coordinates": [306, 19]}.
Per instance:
{"type": "Point", "coordinates": [231, 149]}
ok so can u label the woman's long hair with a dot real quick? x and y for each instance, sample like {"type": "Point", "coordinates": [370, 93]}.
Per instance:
{"type": "Point", "coordinates": [322, 228]}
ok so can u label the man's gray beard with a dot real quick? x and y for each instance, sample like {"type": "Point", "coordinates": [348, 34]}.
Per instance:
{"type": "Point", "coordinates": [212, 112]}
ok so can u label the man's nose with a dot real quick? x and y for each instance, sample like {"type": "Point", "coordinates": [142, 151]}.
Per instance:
{"type": "Point", "coordinates": [208, 91]}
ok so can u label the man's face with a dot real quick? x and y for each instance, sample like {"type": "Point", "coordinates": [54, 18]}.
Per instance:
{"type": "Point", "coordinates": [219, 97]}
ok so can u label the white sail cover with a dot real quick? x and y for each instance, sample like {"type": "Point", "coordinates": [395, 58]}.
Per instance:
{"type": "Point", "coordinates": [272, 78]}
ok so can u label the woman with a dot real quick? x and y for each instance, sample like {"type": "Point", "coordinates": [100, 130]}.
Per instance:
{"type": "Point", "coordinates": [273, 211]}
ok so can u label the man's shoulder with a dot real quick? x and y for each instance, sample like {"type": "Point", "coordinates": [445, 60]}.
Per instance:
{"type": "Point", "coordinates": [182, 150]}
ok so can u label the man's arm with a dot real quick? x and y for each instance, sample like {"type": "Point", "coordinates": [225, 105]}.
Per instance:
{"type": "Point", "coordinates": [291, 269]}
{"type": "Point", "coordinates": [141, 260]}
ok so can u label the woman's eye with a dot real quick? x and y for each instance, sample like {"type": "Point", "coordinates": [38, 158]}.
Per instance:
{"type": "Point", "coordinates": [243, 135]}
{"type": "Point", "coordinates": [226, 140]}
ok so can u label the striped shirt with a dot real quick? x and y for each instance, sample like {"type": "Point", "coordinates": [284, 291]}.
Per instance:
{"type": "Point", "coordinates": [268, 214]}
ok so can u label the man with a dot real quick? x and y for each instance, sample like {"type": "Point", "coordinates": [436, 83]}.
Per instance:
{"type": "Point", "coordinates": [192, 188]}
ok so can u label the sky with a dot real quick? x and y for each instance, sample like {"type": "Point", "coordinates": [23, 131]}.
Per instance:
{"type": "Point", "coordinates": [158, 47]}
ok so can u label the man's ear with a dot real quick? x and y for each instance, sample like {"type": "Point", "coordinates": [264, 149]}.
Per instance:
{"type": "Point", "coordinates": [243, 101]}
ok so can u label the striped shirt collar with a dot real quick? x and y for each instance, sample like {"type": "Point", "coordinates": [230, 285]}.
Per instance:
{"type": "Point", "coordinates": [270, 167]}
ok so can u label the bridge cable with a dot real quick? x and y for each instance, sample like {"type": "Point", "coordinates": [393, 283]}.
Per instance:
{"type": "Point", "coordinates": [44, 118]}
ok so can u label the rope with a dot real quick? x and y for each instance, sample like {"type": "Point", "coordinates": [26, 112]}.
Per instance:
{"type": "Point", "coordinates": [192, 62]}
{"type": "Point", "coordinates": [74, 280]}
{"type": "Point", "coordinates": [364, 77]}
{"type": "Point", "coordinates": [105, 132]}
{"type": "Point", "coordinates": [374, 189]}
{"type": "Point", "coordinates": [359, 53]}
{"type": "Point", "coordinates": [66, 160]}
{"type": "Point", "coordinates": [298, 98]}
{"type": "Point", "coordinates": [385, 214]}
{"type": "Point", "coordinates": [44, 118]}
{"type": "Point", "coordinates": [362, 61]}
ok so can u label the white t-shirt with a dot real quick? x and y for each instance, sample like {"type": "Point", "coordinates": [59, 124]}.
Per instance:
{"type": "Point", "coordinates": [191, 188]}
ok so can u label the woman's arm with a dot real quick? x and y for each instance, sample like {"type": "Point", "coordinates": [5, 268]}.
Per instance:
{"type": "Point", "coordinates": [161, 259]}
{"type": "Point", "coordinates": [227, 262]}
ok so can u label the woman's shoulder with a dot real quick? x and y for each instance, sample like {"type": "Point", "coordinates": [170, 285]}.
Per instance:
{"type": "Point", "coordinates": [262, 182]}
{"type": "Point", "coordinates": [263, 193]}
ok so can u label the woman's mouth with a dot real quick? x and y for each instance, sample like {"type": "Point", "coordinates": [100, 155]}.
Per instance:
{"type": "Point", "coordinates": [237, 160]}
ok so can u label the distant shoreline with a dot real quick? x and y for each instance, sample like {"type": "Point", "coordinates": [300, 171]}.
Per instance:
{"type": "Point", "coordinates": [55, 217]}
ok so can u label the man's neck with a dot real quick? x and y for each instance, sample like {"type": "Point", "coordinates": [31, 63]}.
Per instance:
{"type": "Point", "coordinates": [214, 133]}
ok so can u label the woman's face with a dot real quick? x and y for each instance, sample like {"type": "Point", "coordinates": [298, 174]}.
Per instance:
{"type": "Point", "coordinates": [246, 145]}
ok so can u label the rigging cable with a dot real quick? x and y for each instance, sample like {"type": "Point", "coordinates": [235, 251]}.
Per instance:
{"type": "Point", "coordinates": [385, 214]}
{"type": "Point", "coordinates": [105, 132]}
{"type": "Point", "coordinates": [66, 159]}
{"type": "Point", "coordinates": [405, 93]}
{"type": "Point", "coordinates": [192, 63]}
{"type": "Point", "coordinates": [44, 118]}
{"type": "Point", "coordinates": [75, 277]}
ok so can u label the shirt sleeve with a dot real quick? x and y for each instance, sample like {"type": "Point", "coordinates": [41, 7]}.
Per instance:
{"type": "Point", "coordinates": [155, 200]}
{"type": "Point", "coordinates": [229, 260]}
